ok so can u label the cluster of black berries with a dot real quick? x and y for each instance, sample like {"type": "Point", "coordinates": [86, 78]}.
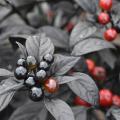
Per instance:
{"type": "Point", "coordinates": [33, 74]}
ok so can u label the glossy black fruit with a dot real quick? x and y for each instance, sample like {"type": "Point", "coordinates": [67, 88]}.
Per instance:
{"type": "Point", "coordinates": [44, 65]}
{"type": "Point", "coordinates": [41, 74]}
{"type": "Point", "coordinates": [36, 94]}
{"type": "Point", "coordinates": [21, 62]}
{"type": "Point", "coordinates": [31, 62]}
{"type": "Point", "coordinates": [20, 73]}
{"type": "Point", "coordinates": [30, 81]}
{"type": "Point", "coordinates": [48, 58]}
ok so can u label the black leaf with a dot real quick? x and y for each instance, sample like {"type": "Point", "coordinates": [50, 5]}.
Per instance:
{"type": "Point", "coordinates": [17, 38]}
{"type": "Point", "coordinates": [108, 57]}
{"type": "Point", "coordinates": [39, 45]}
{"type": "Point", "coordinates": [59, 109]}
{"type": "Point", "coordinates": [30, 111]}
{"type": "Point", "coordinates": [80, 113]}
{"type": "Point", "coordinates": [7, 90]}
{"type": "Point", "coordinates": [62, 6]}
{"type": "Point", "coordinates": [19, 3]}
{"type": "Point", "coordinates": [81, 31]}
{"type": "Point", "coordinates": [115, 112]}
{"type": "Point", "coordinates": [62, 64]}
{"type": "Point", "coordinates": [5, 73]}
{"type": "Point", "coordinates": [89, 6]}
{"type": "Point", "coordinates": [90, 45]}
{"type": "Point", "coordinates": [74, 77]}
{"type": "Point", "coordinates": [10, 30]}
{"type": "Point", "coordinates": [58, 37]}
{"type": "Point", "coordinates": [22, 49]}
{"type": "Point", "coordinates": [85, 88]}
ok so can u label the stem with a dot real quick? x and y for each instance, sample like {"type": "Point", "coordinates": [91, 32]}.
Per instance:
{"type": "Point", "coordinates": [112, 22]}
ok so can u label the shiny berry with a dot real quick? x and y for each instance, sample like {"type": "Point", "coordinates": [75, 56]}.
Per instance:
{"type": "Point", "coordinates": [110, 34]}
{"type": "Point", "coordinates": [116, 100]}
{"type": "Point", "coordinates": [48, 58]}
{"type": "Point", "coordinates": [20, 73]}
{"type": "Point", "coordinates": [41, 74]}
{"type": "Point", "coordinates": [105, 4]}
{"type": "Point", "coordinates": [30, 81]}
{"type": "Point", "coordinates": [79, 101]}
{"type": "Point", "coordinates": [44, 65]}
{"type": "Point", "coordinates": [36, 94]}
{"type": "Point", "coordinates": [21, 62]}
{"type": "Point", "coordinates": [103, 18]}
{"type": "Point", "coordinates": [51, 85]}
{"type": "Point", "coordinates": [31, 62]}
{"type": "Point", "coordinates": [105, 98]}
{"type": "Point", "coordinates": [90, 65]}
{"type": "Point", "coordinates": [99, 73]}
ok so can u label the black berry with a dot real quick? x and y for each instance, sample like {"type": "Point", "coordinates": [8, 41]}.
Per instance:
{"type": "Point", "coordinates": [36, 94]}
{"type": "Point", "coordinates": [20, 73]}
{"type": "Point", "coordinates": [30, 81]}
{"type": "Point", "coordinates": [31, 62]}
{"type": "Point", "coordinates": [21, 62]}
{"type": "Point", "coordinates": [48, 58]}
{"type": "Point", "coordinates": [41, 74]}
{"type": "Point", "coordinates": [44, 65]}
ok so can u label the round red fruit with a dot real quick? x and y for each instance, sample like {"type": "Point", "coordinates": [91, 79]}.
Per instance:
{"type": "Point", "coordinates": [51, 85]}
{"type": "Point", "coordinates": [105, 98]}
{"type": "Point", "coordinates": [110, 34]}
{"type": "Point", "coordinates": [103, 18]}
{"type": "Point", "coordinates": [79, 101]}
{"type": "Point", "coordinates": [106, 4]}
{"type": "Point", "coordinates": [99, 73]}
{"type": "Point", "coordinates": [116, 100]}
{"type": "Point", "coordinates": [90, 64]}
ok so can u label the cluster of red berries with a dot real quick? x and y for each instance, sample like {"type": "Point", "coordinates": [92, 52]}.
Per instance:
{"type": "Point", "coordinates": [107, 98]}
{"type": "Point", "coordinates": [105, 17]}
{"type": "Point", "coordinates": [35, 76]}
{"type": "Point", "coordinates": [98, 72]}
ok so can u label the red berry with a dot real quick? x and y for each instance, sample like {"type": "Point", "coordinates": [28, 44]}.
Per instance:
{"type": "Point", "coordinates": [116, 100]}
{"type": "Point", "coordinates": [79, 101]}
{"type": "Point", "coordinates": [105, 98]}
{"type": "Point", "coordinates": [99, 73]}
{"type": "Point", "coordinates": [51, 85]}
{"type": "Point", "coordinates": [90, 64]}
{"type": "Point", "coordinates": [103, 18]}
{"type": "Point", "coordinates": [110, 34]}
{"type": "Point", "coordinates": [105, 4]}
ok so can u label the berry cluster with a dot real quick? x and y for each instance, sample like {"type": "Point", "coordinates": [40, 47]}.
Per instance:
{"type": "Point", "coordinates": [107, 98]}
{"type": "Point", "coordinates": [97, 72]}
{"type": "Point", "coordinates": [35, 76]}
{"type": "Point", "coordinates": [105, 17]}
